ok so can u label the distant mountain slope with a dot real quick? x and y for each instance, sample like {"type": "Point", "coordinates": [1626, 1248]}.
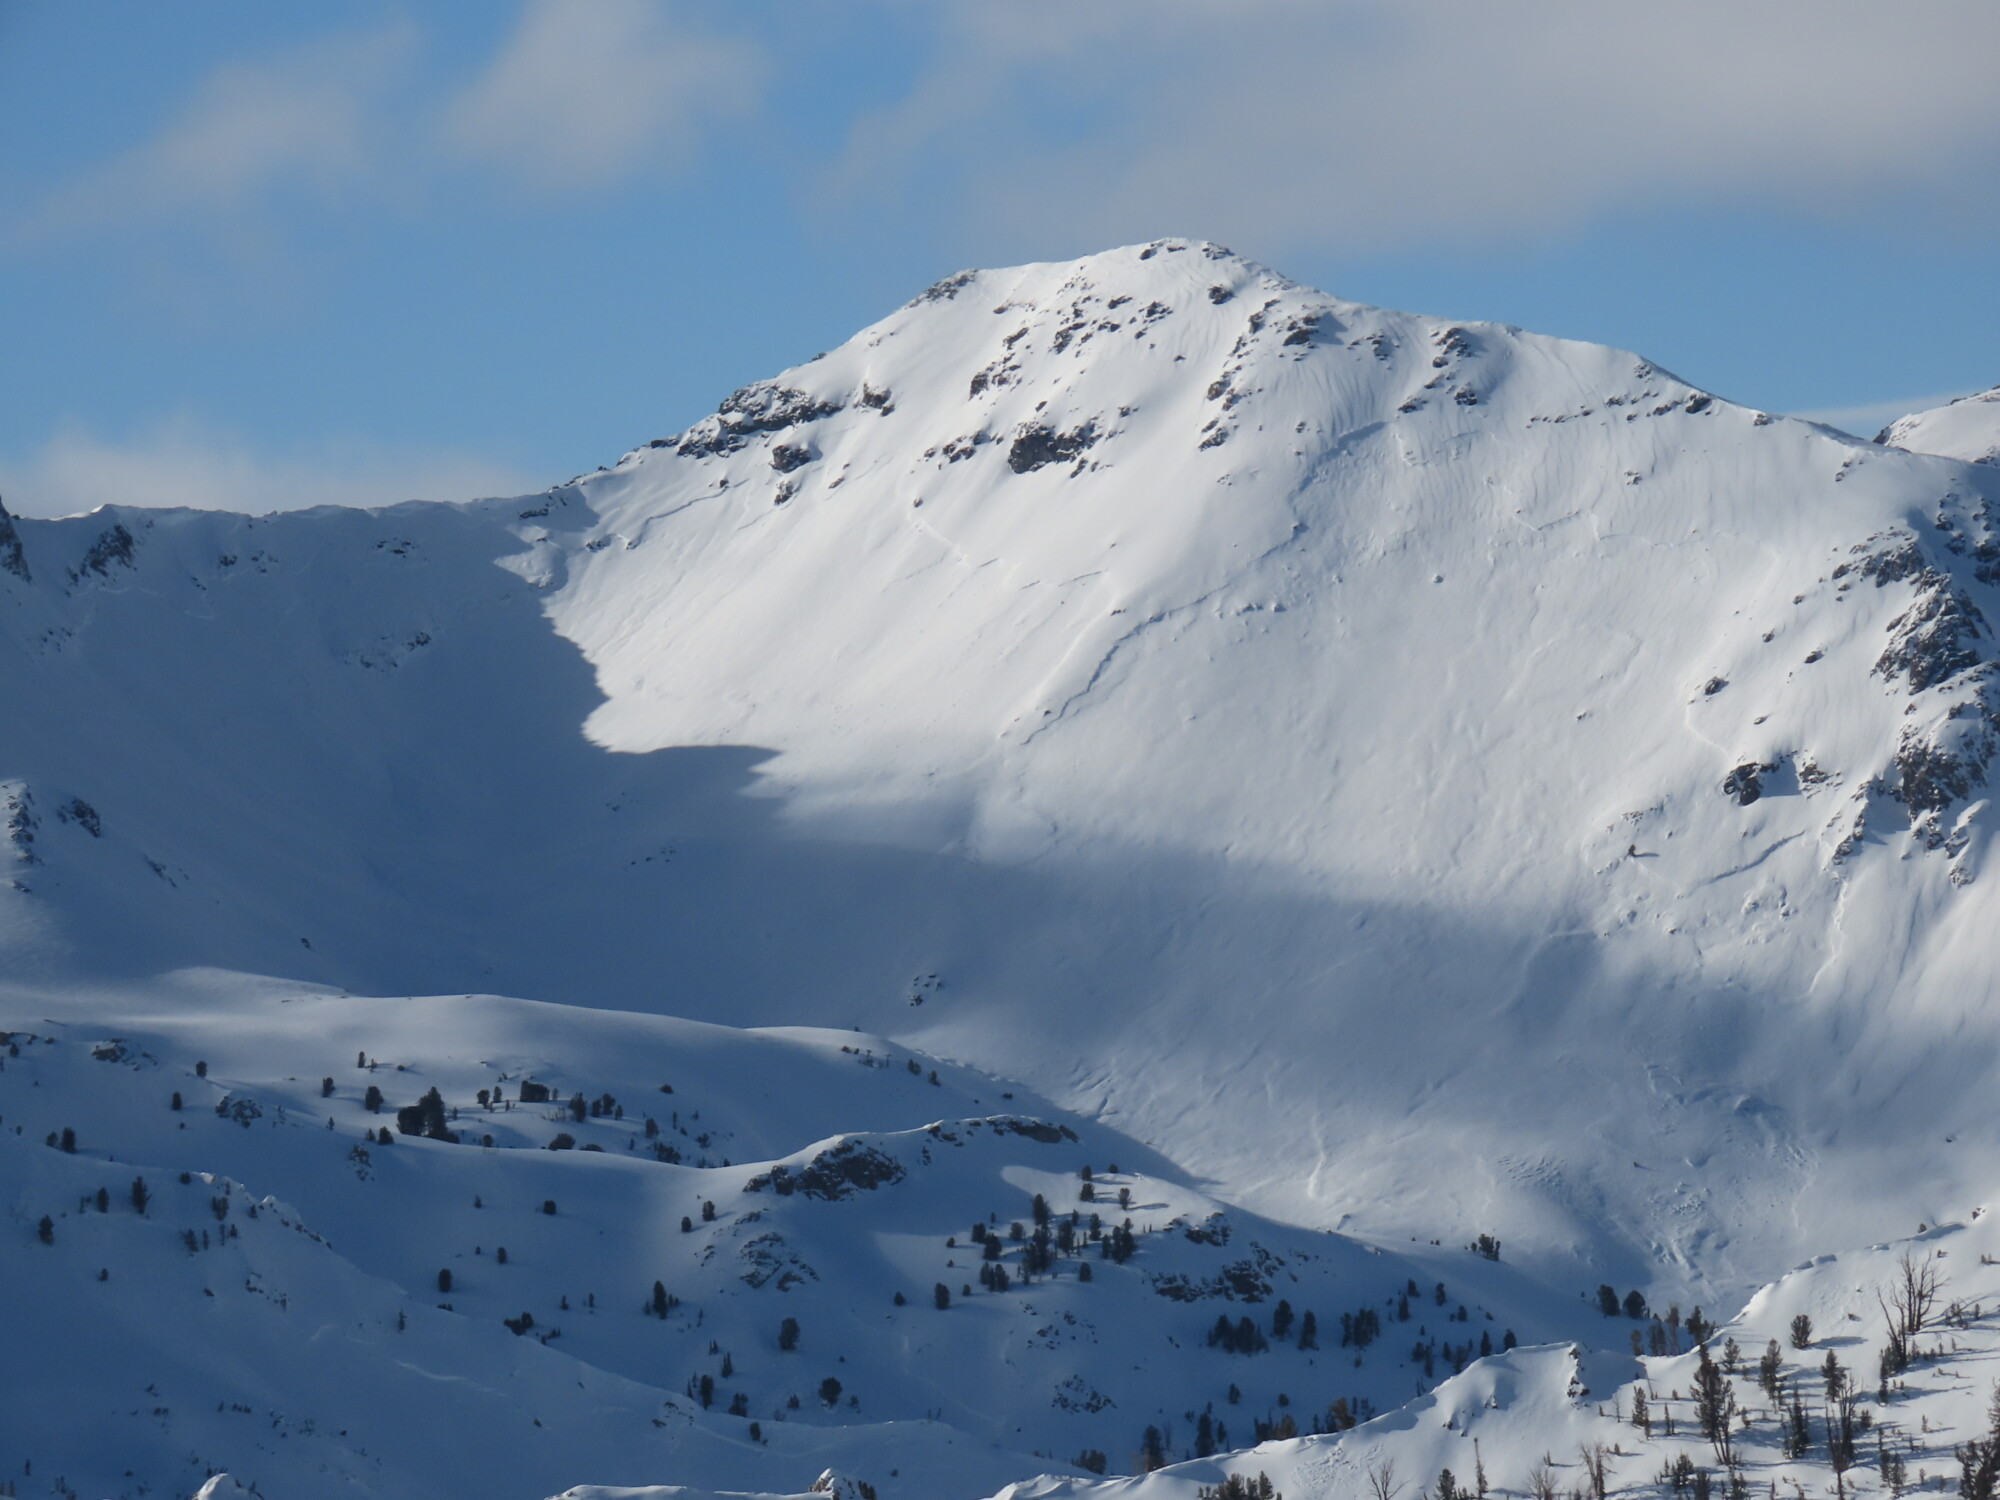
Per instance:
{"type": "Point", "coordinates": [1968, 428]}
{"type": "Point", "coordinates": [1423, 778]}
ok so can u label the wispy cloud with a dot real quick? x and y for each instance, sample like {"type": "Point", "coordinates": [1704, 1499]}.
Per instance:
{"type": "Point", "coordinates": [1370, 124]}
{"type": "Point", "coordinates": [184, 462]}
{"type": "Point", "coordinates": [578, 98]}
{"type": "Point", "coordinates": [583, 95]}
{"type": "Point", "coordinates": [1866, 421]}
{"type": "Point", "coordinates": [306, 120]}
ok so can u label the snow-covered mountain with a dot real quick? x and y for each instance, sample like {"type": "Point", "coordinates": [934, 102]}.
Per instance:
{"type": "Point", "coordinates": [1414, 779]}
{"type": "Point", "coordinates": [1968, 428]}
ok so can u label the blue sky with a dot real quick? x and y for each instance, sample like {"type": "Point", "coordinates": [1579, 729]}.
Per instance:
{"type": "Point", "coordinates": [266, 255]}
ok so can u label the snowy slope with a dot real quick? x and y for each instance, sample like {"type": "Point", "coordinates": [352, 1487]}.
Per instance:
{"type": "Point", "coordinates": [1415, 779]}
{"type": "Point", "coordinates": [293, 1288]}
{"type": "Point", "coordinates": [1554, 1405]}
{"type": "Point", "coordinates": [1968, 428]}
{"type": "Point", "coordinates": [1218, 686]}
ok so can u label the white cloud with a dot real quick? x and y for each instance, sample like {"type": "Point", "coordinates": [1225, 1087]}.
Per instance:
{"type": "Point", "coordinates": [1370, 124]}
{"type": "Point", "coordinates": [183, 462]}
{"type": "Point", "coordinates": [1866, 421]}
{"type": "Point", "coordinates": [582, 95]}
{"type": "Point", "coordinates": [307, 118]}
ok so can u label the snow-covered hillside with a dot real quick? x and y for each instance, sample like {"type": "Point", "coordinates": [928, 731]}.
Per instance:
{"type": "Point", "coordinates": [1968, 428]}
{"type": "Point", "coordinates": [1414, 779]}
{"type": "Point", "coordinates": [1794, 1396]}
{"type": "Point", "coordinates": [730, 1256]}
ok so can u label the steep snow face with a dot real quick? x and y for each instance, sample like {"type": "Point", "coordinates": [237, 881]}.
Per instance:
{"type": "Point", "coordinates": [1424, 778]}
{"type": "Point", "coordinates": [1968, 428]}
{"type": "Point", "coordinates": [1478, 740]}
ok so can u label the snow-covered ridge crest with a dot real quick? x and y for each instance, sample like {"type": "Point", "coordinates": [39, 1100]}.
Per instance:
{"type": "Point", "coordinates": [1968, 429]}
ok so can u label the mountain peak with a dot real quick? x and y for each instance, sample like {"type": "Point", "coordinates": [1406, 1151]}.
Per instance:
{"type": "Point", "coordinates": [1967, 429]}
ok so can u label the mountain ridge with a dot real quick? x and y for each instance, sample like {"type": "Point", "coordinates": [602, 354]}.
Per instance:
{"type": "Point", "coordinates": [1414, 670]}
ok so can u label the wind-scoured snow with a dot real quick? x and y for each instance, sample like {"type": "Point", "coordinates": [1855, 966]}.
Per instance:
{"type": "Point", "coordinates": [1416, 779]}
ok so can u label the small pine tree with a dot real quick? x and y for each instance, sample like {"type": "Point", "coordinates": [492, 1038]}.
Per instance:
{"type": "Point", "coordinates": [140, 1196]}
{"type": "Point", "coordinates": [941, 1296]}
{"type": "Point", "coordinates": [46, 1230]}
{"type": "Point", "coordinates": [69, 1140]}
{"type": "Point", "coordinates": [549, 1207]}
{"type": "Point", "coordinates": [444, 1281]}
{"type": "Point", "coordinates": [104, 1200]}
{"type": "Point", "coordinates": [1699, 1327]}
{"type": "Point", "coordinates": [176, 1104]}
{"type": "Point", "coordinates": [1769, 1368]}
{"type": "Point", "coordinates": [372, 1100]}
{"type": "Point", "coordinates": [788, 1335]}
{"type": "Point", "coordinates": [326, 1088]}
{"type": "Point", "coordinates": [829, 1391]}
{"type": "Point", "coordinates": [1802, 1329]}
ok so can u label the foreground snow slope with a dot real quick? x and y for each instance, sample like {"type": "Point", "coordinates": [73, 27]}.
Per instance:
{"type": "Point", "coordinates": [1422, 778]}
{"type": "Point", "coordinates": [1558, 1405]}
{"type": "Point", "coordinates": [318, 1311]}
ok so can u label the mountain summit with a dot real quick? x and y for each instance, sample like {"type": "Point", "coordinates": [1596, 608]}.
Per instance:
{"type": "Point", "coordinates": [1419, 775]}
{"type": "Point", "coordinates": [1968, 428]}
